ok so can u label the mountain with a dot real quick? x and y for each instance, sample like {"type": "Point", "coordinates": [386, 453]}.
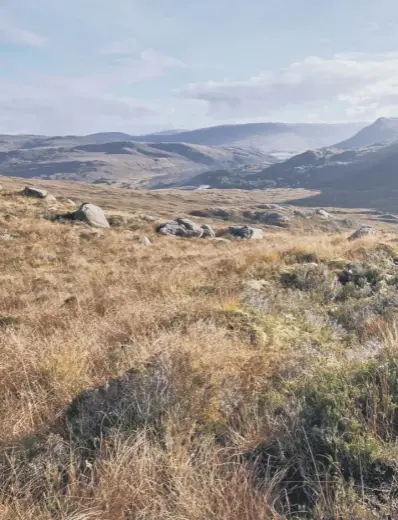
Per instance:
{"type": "Point", "coordinates": [121, 163]}
{"type": "Point", "coordinates": [381, 131]}
{"type": "Point", "coordinates": [278, 139]}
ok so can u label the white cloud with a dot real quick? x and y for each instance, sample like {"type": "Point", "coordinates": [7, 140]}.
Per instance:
{"type": "Point", "coordinates": [351, 81]}
{"type": "Point", "coordinates": [10, 33]}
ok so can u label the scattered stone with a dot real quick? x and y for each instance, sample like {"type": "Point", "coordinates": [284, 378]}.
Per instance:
{"type": "Point", "coordinates": [144, 241]}
{"type": "Point", "coordinates": [51, 198]}
{"type": "Point", "coordinates": [34, 192]}
{"type": "Point", "coordinates": [246, 232]}
{"type": "Point", "coordinates": [208, 231]}
{"type": "Point", "coordinates": [92, 214]}
{"type": "Point", "coordinates": [1, 187]}
{"type": "Point", "coordinates": [364, 231]}
{"type": "Point", "coordinates": [324, 214]}
{"type": "Point", "coordinates": [180, 228]}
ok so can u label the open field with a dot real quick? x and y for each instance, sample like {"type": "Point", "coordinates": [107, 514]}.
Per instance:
{"type": "Point", "coordinates": [194, 379]}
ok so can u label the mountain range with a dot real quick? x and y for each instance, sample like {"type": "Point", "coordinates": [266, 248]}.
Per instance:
{"type": "Point", "coordinates": [169, 157]}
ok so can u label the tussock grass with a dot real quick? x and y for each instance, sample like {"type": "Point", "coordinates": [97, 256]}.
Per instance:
{"type": "Point", "coordinates": [237, 381]}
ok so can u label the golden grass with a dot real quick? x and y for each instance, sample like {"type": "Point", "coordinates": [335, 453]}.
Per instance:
{"type": "Point", "coordinates": [77, 310]}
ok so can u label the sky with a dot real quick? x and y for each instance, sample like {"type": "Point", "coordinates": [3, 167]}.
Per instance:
{"type": "Point", "coordinates": [140, 66]}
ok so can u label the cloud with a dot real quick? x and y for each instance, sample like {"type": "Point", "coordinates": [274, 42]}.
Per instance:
{"type": "Point", "coordinates": [9, 33]}
{"type": "Point", "coordinates": [352, 81]}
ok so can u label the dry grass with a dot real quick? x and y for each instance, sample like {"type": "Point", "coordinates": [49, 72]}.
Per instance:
{"type": "Point", "coordinates": [225, 356]}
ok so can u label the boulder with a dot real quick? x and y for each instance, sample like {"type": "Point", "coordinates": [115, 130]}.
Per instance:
{"type": "Point", "coordinates": [180, 228]}
{"type": "Point", "coordinates": [208, 231]}
{"type": "Point", "coordinates": [324, 214]}
{"type": "Point", "coordinates": [246, 232]}
{"type": "Point", "coordinates": [37, 193]}
{"type": "Point", "coordinates": [91, 214]}
{"type": "Point", "coordinates": [364, 231]}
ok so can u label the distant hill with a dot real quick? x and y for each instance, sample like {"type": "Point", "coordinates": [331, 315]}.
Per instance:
{"type": "Point", "coordinates": [280, 139]}
{"type": "Point", "coordinates": [381, 131]}
{"type": "Point", "coordinates": [120, 163]}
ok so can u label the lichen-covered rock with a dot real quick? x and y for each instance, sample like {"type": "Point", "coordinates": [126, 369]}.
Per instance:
{"type": "Point", "coordinates": [91, 214]}
{"type": "Point", "coordinates": [246, 232]}
{"type": "Point", "coordinates": [364, 231]}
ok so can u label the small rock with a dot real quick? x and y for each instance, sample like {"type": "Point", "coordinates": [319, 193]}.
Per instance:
{"type": "Point", "coordinates": [92, 214]}
{"type": "Point", "coordinates": [364, 231]}
{"type": "Point", "coordinates": [51, 198]}
{"type": "Point", "coordinates": [144, 241]}
{"type": "Point", "coordinates": [34, 192]}
{"type": "Point", "coordinates": [246, 232]}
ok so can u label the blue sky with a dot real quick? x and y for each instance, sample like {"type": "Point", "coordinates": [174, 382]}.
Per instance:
{"type": "Point", "coordinates": [80, 66]}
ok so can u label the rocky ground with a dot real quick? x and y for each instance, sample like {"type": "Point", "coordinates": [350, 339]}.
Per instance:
{"type": "Point", "coordinates": [198, 374]}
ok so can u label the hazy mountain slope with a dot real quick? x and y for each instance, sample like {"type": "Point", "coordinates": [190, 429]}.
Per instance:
{"type": "Point", "coordinates": [382, 130]}
{"type": "Point", "coordinates": [122, 162]}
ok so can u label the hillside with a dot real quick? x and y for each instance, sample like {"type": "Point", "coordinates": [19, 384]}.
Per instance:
{"type": "Point", "coordinates": [116, 162]}
{"type": "Point", "coordinates": [194, 379]}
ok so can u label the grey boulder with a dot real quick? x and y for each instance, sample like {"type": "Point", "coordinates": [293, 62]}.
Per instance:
{"type": "Point", "coordinates": [180, 228]}
{"type": "Point", "coordinates": [246, 232]}
{"type": "Point", "coordinates": [37, 193]}
{"type": "Point", "coordinates": [324, 214]}
{"type": "Point", "coordinates": [208, 231]}
{"type": "Point", "coordinates": [92, 214]}
{"type": "Point", "coordinates": [364, 231]}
